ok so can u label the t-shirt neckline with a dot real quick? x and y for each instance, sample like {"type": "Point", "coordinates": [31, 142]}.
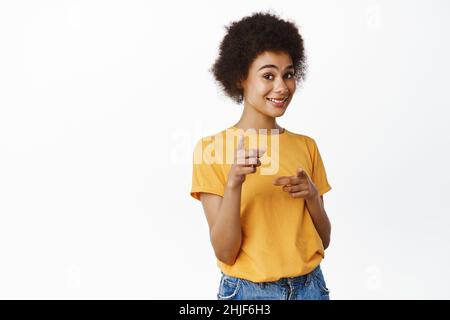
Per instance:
{"type": "Point", "coordinates": [256, 131]}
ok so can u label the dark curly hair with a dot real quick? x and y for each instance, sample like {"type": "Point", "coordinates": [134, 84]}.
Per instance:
{"type": "Point", "coordinates": [249, 37]}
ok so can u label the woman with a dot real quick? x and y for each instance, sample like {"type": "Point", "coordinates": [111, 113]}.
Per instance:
{"type": "Point", "coordinates": [263, 199]}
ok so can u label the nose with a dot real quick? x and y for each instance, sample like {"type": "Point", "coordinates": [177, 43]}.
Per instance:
{"type": "Point", "coordinates": [281, 87]}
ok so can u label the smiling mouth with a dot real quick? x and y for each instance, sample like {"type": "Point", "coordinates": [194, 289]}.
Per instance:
{"type": "Point", "coordinates": [278, 103]}
{"type": "Point", "coordinates": [277, 100]}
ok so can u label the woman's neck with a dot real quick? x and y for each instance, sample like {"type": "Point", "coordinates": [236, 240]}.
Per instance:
{"type": "Point", "coordinates": [256, 120]}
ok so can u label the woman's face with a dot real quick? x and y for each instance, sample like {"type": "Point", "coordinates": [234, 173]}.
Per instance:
{"type": "Point", "coordinates": [270, 83]}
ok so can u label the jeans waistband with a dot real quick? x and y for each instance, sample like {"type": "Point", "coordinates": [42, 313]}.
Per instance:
{"type": "Point", "coordinates": [303, 279]}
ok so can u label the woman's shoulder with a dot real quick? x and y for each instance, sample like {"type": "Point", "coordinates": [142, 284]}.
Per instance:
{"type": "Point", "coordinates": [210, 141]}
{"type": "Point", "coordinates": [301, 136]}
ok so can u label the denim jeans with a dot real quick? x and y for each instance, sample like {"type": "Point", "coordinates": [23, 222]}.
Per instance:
{"type": "Point", "coordinates": [311, 286]}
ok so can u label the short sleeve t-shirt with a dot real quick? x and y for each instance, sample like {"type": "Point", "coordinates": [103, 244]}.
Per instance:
{"type": "Point", "coordinates": [278, 235]}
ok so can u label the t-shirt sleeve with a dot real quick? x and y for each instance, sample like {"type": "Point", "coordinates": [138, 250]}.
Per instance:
{"type": "Point", "coordinates": [207, 176]}
{"type": "Point", "coordinates": [319, 175]}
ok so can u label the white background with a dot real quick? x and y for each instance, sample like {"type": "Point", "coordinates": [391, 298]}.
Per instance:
{"type": "Point", "coordinates": [101, 103]}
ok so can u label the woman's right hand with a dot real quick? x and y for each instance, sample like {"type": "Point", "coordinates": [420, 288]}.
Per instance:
{"type": "Point", "coordinates": [245, 162]}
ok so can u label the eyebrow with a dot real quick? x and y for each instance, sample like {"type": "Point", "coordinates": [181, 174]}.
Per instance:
{"type": "Point", "coordinates": [274, 66]}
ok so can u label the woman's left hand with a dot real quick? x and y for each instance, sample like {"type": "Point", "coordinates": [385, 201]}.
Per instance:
{"type": "Point", "coordinates": [299, 186]}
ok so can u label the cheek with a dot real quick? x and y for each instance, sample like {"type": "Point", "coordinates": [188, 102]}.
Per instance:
{"type": "Point", "coordinates": [292, 87]}
{"type": "Point", "coordinates": [262, 88]}
{"type": "Point", "coordinates": [258, 90]}
{"type": "Point", "coordinates": [259, 95]}
{"type": "Point", "coordinates": [265, 91]}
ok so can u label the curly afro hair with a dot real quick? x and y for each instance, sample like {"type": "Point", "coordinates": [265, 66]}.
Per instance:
{"type": "Point", "coordinates": [249, 37]}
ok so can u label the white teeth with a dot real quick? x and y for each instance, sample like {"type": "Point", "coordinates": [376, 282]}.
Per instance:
{"type": "Point", "coordinates": [276, 100]}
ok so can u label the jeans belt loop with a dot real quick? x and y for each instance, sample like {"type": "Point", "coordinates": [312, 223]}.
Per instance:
{"type": "Point", "coordinates": [308, 278]}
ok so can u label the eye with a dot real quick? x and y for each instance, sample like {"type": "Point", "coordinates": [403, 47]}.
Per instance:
{"type": "Point", "coordinates": [268, 76]}
{"type": "Point", "coordinates": [290, 74]}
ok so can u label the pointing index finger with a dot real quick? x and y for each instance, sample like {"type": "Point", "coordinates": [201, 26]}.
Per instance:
{"type": "Point", "coordinates": [240, 144]}
{"type": "Point", "coordinates": [281, 181]}
{"type": "Point", "coordinates": [261, 151]}
{"type": "Point", "coordinates": [301, 173]}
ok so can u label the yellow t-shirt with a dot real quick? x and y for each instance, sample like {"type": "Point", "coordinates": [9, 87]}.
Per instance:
{"type": "Point", "coordinates": [278, 236]}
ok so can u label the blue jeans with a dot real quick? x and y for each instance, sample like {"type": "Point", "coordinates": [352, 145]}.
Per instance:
{"type": "Point", "coordinates": [311, 286]}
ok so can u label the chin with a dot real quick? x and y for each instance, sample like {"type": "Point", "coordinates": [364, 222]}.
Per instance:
{"type": "Point", "coordinates": [277, 113]}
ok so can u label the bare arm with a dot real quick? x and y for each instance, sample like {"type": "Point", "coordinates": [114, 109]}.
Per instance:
{"type": "Point", "coordinates": [224, 213]}
{"type": "Point", "coordinates": [320, 219]}
{"type": "Point", "coordinates": [224, 222]}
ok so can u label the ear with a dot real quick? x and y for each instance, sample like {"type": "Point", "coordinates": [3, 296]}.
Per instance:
{"type": "Point", "coordinates": [240, 82]}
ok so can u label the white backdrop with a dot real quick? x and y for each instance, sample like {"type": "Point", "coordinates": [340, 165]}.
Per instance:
{"type": "Point", "coordinates": [101, 103]}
